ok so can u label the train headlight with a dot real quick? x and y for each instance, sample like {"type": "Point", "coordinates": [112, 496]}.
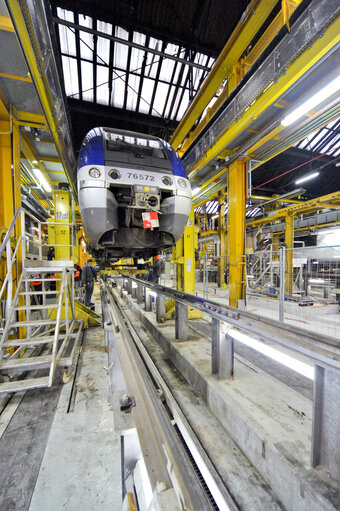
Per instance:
{"type": "Point", "coordinates": [166, 180]}
{"type": "Point", "coordinates": [114, 174]}
{"type": "Point", "coordinates": [182, 183]}
{"type": "Point", "coordinates": [94, 172]}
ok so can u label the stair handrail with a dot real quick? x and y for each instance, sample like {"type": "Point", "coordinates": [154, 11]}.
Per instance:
{"type": "Point", "coordinates": [9, 231]}
{"type": "Point", "coordinates": [57, 331]}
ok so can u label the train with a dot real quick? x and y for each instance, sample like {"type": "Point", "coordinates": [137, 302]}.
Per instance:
{"type": "Point", "coordinates": [134, 196]}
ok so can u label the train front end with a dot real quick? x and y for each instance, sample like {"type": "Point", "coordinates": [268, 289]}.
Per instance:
{"type": "Point", "coordinates": [134, 196]}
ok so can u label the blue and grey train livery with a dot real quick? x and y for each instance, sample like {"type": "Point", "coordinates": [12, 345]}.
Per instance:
{"type": "Point", "coordinates": [121, 176]}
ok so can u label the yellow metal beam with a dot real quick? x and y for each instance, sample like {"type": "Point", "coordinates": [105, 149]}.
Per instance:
{"type": "Point", "coordinates": [236, 231]}
{"type": "Point", "coordinates": [16, 77]}
{"type": "Point", "coordinates": [6, 24]}
{"type": "Point", "coordinates": [302, 207]}
{"type": "Point", "coordinates": [31, 156]}
{"type": "Point", "coordinates": [251, 21]}
{"type": "Point", "coordinates": [31, 119]}
{"type": "Point", "coordinates": [272, 94]}
{"type": "Point", "coordinates": [39, 79]}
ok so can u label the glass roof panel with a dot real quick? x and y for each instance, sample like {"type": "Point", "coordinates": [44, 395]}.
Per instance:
{"type": "Point", "coordinates": [184, 105]}
{"type": "Point", "coordinates": [160, 98]}
{"type": "Point", "coordinates": [86, 45]}
{"type": "Point", "coordinates": [118, 91]}
{"type": "Point", "coordinates": [87, 80]}
{"type": "Point", "coordinates": [132, 92]}
{"type": "Point", "coordinates": [70, 71]}
{"type": "Point", "coordinates": [142, 73]}
{"type": "Point", "coordinates": [103, 85]}
{"type": "Point", "coordinates": [120, 55]}
{"type": "Point", "coordinates": [146, 96]}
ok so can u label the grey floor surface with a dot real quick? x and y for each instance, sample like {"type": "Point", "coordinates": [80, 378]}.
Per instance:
{"type": "Point", "coordinates": [81, 466]}
{"type": "Point", "coordinates": [22, 447]}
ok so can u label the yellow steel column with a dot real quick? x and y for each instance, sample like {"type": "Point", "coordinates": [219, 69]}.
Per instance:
{"type": "Point", "coordinates": [221, 233]}
{"type": "Point", "coordinates": [62, 216]}
{"type": "Point", "coordinates": [236, 231]}
{"type": "Point", "coordinates": [289, 240]}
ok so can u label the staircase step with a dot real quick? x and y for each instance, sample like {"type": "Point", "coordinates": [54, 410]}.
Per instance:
{"type": "Point", "coordinates": [36, 322]}
{"type": "Point", "coordinates": [37, 307]}
{"type": "Point", "coordinates": [30, 341]}
{"type": "Point", "coordinates": [43, 280]}
{"type": "Point", "coordinates": [17, 386]}
{"type": "Point", "coordinates": [29, 293]}
{"type": "Point", "coordinates": [26, 364]}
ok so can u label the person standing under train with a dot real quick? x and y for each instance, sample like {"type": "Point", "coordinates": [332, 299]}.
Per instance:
{"type": "Point", "coordinates": [88, 277]}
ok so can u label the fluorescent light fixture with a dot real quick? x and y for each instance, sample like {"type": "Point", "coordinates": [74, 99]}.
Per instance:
{"type": "Point", "coordinates": [134, 285]}
{"type": "Point", "coordinates": [315, 100]}
{"type": "Point", "coordinates": [286, 360]}
{"type": "Point", "coordinates": [153, 294]}
{"type": "Point", "coordinates": [214, 217]}
{"type": "Point", "coordinates": [41, 178]}
{"type": "Point", "coordinates": [316, 281]}
{"type": "Point", "coordinates": [196, 190]}
{"type": "Point", "coordinates": [307, 178]}
{"type": "Point", "coordinates": [250, 276]}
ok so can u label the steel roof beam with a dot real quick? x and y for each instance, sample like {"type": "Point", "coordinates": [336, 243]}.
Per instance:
{"type": "Point", "coordinates": [127, 43]}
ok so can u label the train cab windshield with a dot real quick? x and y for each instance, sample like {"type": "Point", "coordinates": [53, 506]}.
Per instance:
{"type": "Point", "coordinates": [136, 150]}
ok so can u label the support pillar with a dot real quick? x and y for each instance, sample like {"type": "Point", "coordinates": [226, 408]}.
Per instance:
{"type": "Point", "coordinates": [289, 240]}
{"type": "Point", "coordinates": [222, 352]}
{"type": "Point", "coordinates": [147, 300]}
{"type": "Point", "coordinates": [236, 231]}
{"type": "Point", "coordinates": [184, 257]}
{"type": "Point", "coordinates": [160, 308]}
{"type": "Point", "coordinates": [181, 322]}
{"type": "Point", "coordinates": [326, 420]}
{"type": "Point", "coordinates": [140, 294]}
{"type": "Point", "coordinates": [223, 248]}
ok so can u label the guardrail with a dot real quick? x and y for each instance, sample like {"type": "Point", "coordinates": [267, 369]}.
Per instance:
{"type": "Point", "coordinates": [230, 324]}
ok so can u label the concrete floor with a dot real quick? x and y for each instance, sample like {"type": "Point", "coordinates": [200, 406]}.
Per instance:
{"type": "Point", "coordinates": [54, 456]}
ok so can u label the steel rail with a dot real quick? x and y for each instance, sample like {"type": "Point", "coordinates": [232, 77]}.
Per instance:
{"type": "Point", "coordinates": [158, 439]}
{"type": "Point", "coordinates": [217, 487]}
{"type": "Point", "coordinates": [323, 350]}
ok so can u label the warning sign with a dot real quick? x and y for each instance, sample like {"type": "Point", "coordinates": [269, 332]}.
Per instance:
{"type": "Point", "coordinates": [150, 220]}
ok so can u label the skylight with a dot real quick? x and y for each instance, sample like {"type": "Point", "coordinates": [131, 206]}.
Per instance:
{"type": "Point", "coordinates": [128, 69]}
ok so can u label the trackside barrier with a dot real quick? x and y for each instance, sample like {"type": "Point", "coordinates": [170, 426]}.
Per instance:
{"type": "Point", "coordinates": [230, 324]}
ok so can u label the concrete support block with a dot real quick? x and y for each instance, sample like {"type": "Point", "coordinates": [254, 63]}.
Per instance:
{"type": "Point", "coordinates": [140, 293]}
{"type": "Point", "coordinates": [326, 421]}
{"type": "Point", "coordinates": [222, 352]}
{"type": "Point", "coordinates": [160, 309]}
{"type": "Point", "coordinates": [147, 300]}
{"type": "Point", "coordinates": [181, 322]}
{"type": "Point", "coordinates": [129, 286]}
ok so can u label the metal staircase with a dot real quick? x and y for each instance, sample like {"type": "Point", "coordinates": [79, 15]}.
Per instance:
{"type": "Point", "coordinates": [40, 332]}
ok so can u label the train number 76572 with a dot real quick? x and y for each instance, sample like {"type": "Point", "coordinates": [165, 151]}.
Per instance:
{"type": "Point", "coordinates": [141, 177]}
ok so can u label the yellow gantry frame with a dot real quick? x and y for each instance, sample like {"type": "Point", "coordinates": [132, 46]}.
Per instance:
{"type": "Point", "coordinates": [252, 20]}
{"type": "Point", "coordinates": [39, 78]}
{"type": "Point", "coordinates": [10, 190]}
{"type": "Point", "coordinates": [295, 71]}
{"type": "Point", "coordinates": [237, 69]}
